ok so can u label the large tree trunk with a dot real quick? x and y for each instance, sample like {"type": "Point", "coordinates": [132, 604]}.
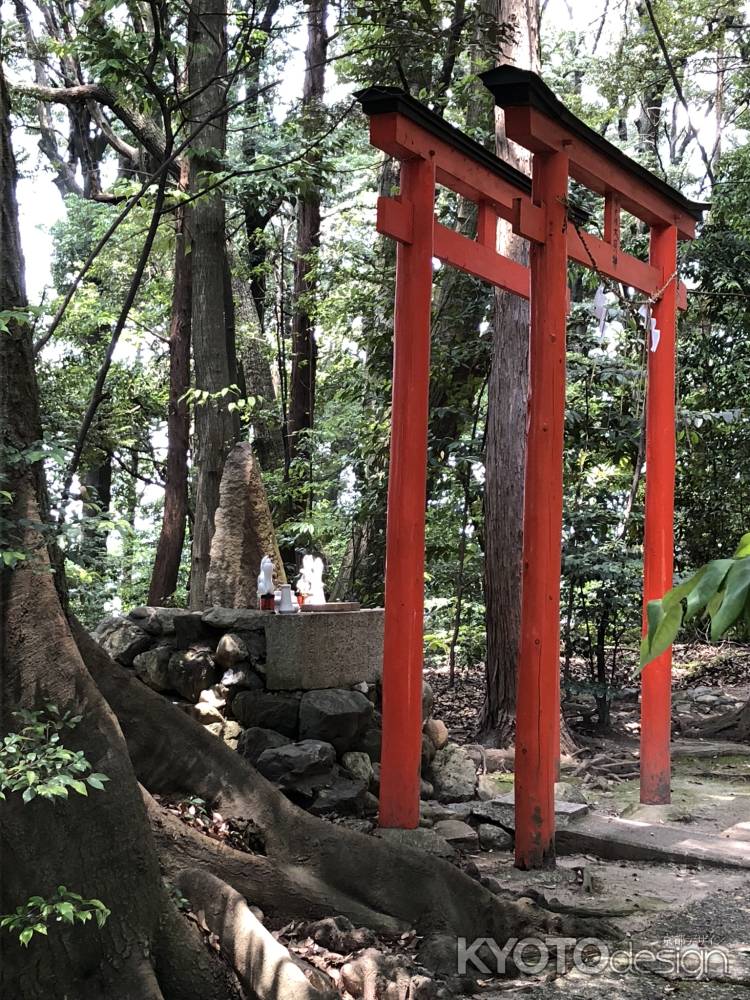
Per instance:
{"type": "Point", "coordinates": [304, 349]}
{"type": "Point", "coordinates": [96, 491]}
{"type": "Point", "coordinates": [506, 426]}
{"type": "Point", "coordinates": [216, 428]}
{"type": "Point", "coordinates": [98, 845]}
{"type": "Point", "coordinates": [172, 537]}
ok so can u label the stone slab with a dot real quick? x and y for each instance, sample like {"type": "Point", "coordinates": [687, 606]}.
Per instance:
{"type": "Point", "coordinates": [322, 650]}
{"type": "Point", "coordinates": [709, 748]}
{"type": "Point", "coordinates": [620, 839]}
{"type": "Point", "coordinates": [230, 619]}
{"type": "Point", "coordinates": [501, 810]}
{"type": "Point", "coordinates": [421, 839]}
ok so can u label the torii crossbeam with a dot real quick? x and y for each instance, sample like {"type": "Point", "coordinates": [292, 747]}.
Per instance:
{"type": "Point", "coordinates": [434, 153]}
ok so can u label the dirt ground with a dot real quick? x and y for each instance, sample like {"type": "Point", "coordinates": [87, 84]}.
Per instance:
{"type": "Point", "coordinates": [660, 907]}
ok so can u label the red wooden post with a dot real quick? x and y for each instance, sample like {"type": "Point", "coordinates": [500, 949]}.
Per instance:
{"type": "Point", "coordinates": [538, 704]}
{"type": "Point", "coordinates": [656, 690]}
{"type": "Point", "coordinates": [404, 568]}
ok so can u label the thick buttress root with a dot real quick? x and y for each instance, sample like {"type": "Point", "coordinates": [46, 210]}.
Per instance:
{"type": "Point", "coordinates": [264, 967]}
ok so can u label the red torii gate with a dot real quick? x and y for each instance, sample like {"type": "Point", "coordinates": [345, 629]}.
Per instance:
{"type": "Point", "coordinates": [432, 152]}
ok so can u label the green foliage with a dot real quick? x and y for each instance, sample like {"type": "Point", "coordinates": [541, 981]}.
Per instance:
{"type": "Point", "coordinates": [720, 589]}
{"type": "Point", "coordinates": [64, 907]}
{"type": "Point", "coordinates": [609, 71]}
{"type": "Point", "coordinates": [34, 761]}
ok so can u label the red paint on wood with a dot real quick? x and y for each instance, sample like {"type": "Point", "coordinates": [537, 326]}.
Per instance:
{"type": "Point", "coordinates": [481, 261]}
{"type": "Point", "coordinates": [595, 170]}
{"type": "Point", "coordinates": [404, 571]}
{"type": "Point", "coordinates": [538, 705]}
{"type": "Point", "coordinates": [620, 266]}
{"type": "Point", "coordinates": [395, 218]}
{"type": "Point", "coordinates": [486, 225]}
{"type": "Point", "coordinates": [402, 138]}
{"type": "Point", "coordinates": [659, 515]}
{"type": "Point", "coordinates": [612, 220]}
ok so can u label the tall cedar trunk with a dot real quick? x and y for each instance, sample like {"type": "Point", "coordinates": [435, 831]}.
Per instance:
{"type": "Point", "coordinates": [216, 429]}
{"type": "Point", "coordinates": [99, 845]}
{"type": "Point", "coordinates": [172, 537]}
{"type": "Point", "coordinates": [304, 350]}
{"type": "Point", "coordinates": [506, 425]}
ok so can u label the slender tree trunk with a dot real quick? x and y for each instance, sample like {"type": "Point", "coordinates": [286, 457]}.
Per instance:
{"type": "Point", "coordinates": [171, 540]}
{"type": "Point", "coordinates": [506, 426]}
{"type": "Point", "coordinates": [304, 349]}
{"type": "Point", "coordinates": [96, 489]}
{"type": "Point", "coordinates": [216, 429]}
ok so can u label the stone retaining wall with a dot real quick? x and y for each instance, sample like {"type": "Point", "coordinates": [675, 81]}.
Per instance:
{"type": "Point", "coordinates": [299, 697]}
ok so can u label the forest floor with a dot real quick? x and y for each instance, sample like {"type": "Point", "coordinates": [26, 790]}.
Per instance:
{"type": "Point", "coordinates": [671, 906]}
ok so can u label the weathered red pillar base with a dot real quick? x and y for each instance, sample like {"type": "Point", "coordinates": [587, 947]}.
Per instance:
{"type": "Point", "coordinates": [656, 692]}
{"type": "Point", "coordinates": [404, 568]}
{"type": "Point", "coordinates": [538, 702]}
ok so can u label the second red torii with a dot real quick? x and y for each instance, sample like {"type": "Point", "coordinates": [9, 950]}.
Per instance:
{"type": "Point", "coordinates": [434, 153]}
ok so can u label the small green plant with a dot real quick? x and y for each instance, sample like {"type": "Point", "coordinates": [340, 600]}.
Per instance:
{"type": "Point", "coordinates": [35, 763]}
{"type": "Point", "coordinates": [720, 589]}
{"type": "Point", "coordinates": [35, 915]}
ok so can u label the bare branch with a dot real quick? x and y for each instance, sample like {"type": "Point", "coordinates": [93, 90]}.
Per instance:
{"type": "Point", "coordinates": [678, 89]}
{"type": "Point", "coordinates": [143, 128]}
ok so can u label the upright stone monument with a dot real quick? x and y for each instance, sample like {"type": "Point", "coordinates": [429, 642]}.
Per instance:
{"type": "Point", "coordinates": [243, 534]}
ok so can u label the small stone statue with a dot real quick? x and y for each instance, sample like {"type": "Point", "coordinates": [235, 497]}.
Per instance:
{"type": "Point", "coordinates": [265, 580]}
{"type": "Point", "coordinates": [310, 582]}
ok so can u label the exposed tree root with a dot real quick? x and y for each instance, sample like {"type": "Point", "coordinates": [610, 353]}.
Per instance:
{"type": "Point", "coordinates": [733, 725]}
{"type": "Point", "coordinates": [185, 967]}
{"type": "Point", "coordinates": [580, 911]}
{"type": "Point", "coordinates": [283, 891]}
{"type": "Point", "coordinates": [265, 968]}
{"type": "Point", "coordinates": [171, 753]}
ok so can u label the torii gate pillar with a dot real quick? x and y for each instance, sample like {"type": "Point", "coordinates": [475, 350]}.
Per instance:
{"type": "Point", "coordinates": [538, 698]}
{"type": "Point", "coordinates": [656, 694]}
{"type": "Point", "coordinates": [401, 752]}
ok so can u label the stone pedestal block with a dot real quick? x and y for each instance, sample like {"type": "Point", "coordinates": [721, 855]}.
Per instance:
{"type": "Point", "coordinates": [323, 650]}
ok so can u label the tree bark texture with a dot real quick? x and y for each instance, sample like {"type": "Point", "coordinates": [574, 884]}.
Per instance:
{"type": "Point", "coordinates": [304, 349]}
{"type": "Point", "coordinates": [506, 423]}
{"type": "Point", "coordinates": [216, 429]}
{"type": "Point", "coordinates": [172, 537]}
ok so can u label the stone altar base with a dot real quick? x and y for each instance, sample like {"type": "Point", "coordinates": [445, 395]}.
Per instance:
{"type": "Point", "coordinates": [299, 697]}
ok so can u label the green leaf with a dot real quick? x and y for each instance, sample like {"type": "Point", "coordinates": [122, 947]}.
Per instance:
{"type": "Point", "coordinates": [735, 595]}
{"type": "Point", "coordinates": [711, 578]}
{"type": "Point", "coordinates": [26, 935]}
{"type": "Point", "coordinates": [66, 912]}
{"type": "Point", "coordinates": [660, 638]}
{"type": "Point", "coordinates": [743, 549]}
